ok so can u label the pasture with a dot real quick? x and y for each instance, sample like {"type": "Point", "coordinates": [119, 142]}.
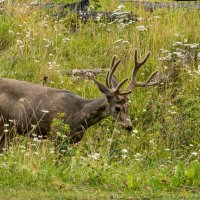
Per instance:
{"type": "Point", "coordinates": [160, 157]}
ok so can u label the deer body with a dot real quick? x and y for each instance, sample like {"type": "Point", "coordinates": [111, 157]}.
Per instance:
{"type": "Point", "coordinates": [33, 107]}
{"type": "Point", "coordinates": [30, 104]}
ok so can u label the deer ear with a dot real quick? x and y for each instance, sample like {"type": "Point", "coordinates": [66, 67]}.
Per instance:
{"type": "Point", "coordinates": [103, 88]}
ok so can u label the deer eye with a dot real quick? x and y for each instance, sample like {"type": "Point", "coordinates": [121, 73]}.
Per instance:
{"type": "Point", "coordinates": [118, 109]}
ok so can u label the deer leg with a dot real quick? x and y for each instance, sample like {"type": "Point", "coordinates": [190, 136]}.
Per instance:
{"type": "Point", "coordinates": [2, 137]}
{"type": "Point", "coordinates": [5, 137]}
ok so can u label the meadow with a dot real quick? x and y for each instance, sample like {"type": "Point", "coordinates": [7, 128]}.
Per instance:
{"type": "Point", "coordinates": [160, 157]}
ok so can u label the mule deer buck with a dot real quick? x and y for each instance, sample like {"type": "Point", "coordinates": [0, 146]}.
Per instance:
{"type": "Point", "coordinates": [30, 104]}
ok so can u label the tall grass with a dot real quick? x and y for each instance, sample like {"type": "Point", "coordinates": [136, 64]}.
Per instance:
{"type": "Point", "coordinates": [161, 154]}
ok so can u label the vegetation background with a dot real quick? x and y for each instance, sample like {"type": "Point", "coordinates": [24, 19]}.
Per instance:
{"type": "Point", "coordinates": [160, 158]}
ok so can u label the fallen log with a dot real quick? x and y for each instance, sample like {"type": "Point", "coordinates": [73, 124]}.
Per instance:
{"type": "Point", "coordinates": [80, 10]}
{"type": "Point", "coordinates": [84, 72]}
{"type": "Point", "coordinates": [102, 16]}
{"type": "Point", "coordinates": [151, 6]}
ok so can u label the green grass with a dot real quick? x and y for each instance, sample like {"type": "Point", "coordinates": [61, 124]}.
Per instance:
{"type": "Point", "coordinates": [159, 159]}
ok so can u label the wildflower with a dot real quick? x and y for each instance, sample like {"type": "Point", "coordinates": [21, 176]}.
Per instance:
{"type": "Point", "coordinates": [141, 28]}
{"type": "Point", "coordinates": [121, 6]}
{"type": "Point", "coordinates": [45, 111]}
{"type": "Point", "coordinates": [109, 139]}
{"type": "Point", "coordinates": [177, 34]}
{"type": "Point", "coordinates": [65, 40]}
{"type": "Point", "coordinates": [28, 34]}
{"type": "Point", "coordinates": [95, 156]}
{"type": "Point", "coordinates": [35, 139]}
{"type": "Point", "coordinates": [198, 56]}
{"type": "Point", "coordinates": [151, 141]}
{"type": "Point", "coordinates": [124, 151]}
{"type": "Point", "coordinates": [194, 45]}
{"type": "Point", "coordinates": [124, 156]}
{"type": "Point", "coordinates": [117, 10]}
{"type": "Point", "coordinates": [125, 42]}
{"type": "Point", "coordinates": [10, 31]}
{"type": "Point", "coordinates": [52, 151]}
{"type": "Point", "coordinates": [22, 100]}
{"type": "Point", "coordinates": [139, 19]}
{"type": "Point", "coordinates": [194, 153]}
{"type": "Point", "coordinates": [135, 131]}
{"type": "Point", "coordinates": [157, 17]}
{"type": "Point", "coordinates": [167, 149]}
{"type": "Point", "coordinates": [117, 41]}
{"type": "Point", "coordinates": [177, 43]}
{"type": "Point", "coordinates": [137, 155]}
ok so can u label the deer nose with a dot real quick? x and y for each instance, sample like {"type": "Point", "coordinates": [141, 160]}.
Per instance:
{"type": "Point", "coordinates": [129, 128]}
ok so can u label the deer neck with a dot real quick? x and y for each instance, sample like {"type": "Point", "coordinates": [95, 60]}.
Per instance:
{"type": "Point", "coordinates": [95, 110]}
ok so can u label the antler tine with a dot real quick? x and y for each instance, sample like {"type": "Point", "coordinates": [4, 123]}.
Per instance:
{"type": "Point", "coordinates": [113, 66]}
{"type": "Point", "coordinates": [137, 66]}
{"type": "Point", "coordinates": [120, 85]}
{"type": "Point", "coordinates": [148, 82]}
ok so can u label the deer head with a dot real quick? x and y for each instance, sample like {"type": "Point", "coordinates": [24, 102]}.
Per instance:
{"type": "Point", "coordinates": [117, 100]}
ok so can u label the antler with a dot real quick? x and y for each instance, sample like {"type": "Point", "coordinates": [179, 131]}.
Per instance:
{"type": "Point", "coordinates": [110, 80]}
{"type": "Point", "coordinates": [138, 65]}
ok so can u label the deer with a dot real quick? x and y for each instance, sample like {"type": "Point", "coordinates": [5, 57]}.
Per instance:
{"type": "Point", "coordinates": [30, 105]}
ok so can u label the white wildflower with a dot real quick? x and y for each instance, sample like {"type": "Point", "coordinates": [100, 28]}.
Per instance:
{"type": "Point", "coordinates": [66, 40]}
{"type": "Point", "coordinates": [194, 45]}
{"type": "Point", "coordinates": [35, 139]}
{"type": "Point", "coordinates": [45, 111]}
{"type": "Point", "coordinates": [117, 41]}
{"type": "Point", "coordinates": [124, 156]}
{"type": "Point", "coordinates": [124, 151]}
{"type": "Point", "coordinates": [194, 153]}
{"type": "Point", "coordinates": [177, 43]}
{"type": "Point", "coordinates": [121, 7]}
{"type": "Point", "coordinates": [140, 19]}
{"type": "Point", "coordinates": [95, 156]}
{"type": "Point", "coordinates": [141, 28]}
{"type": "Point", "coordinates": [135, 131]}
{"type": "Point", "coordinates": [137, 155]}
{"type": "Point", "coordinates": [157, 17]}
{"type": "Point", "coordinates": [109, 139]}
{"type": "Point", "coordinates": [198, 56]}
{"type": "Point", "coordinates": [177, 34]}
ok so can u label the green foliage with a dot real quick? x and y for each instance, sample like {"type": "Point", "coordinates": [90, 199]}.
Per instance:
{"type": "Point", "coordinates": [160, 155]}
{"type": "Point", "coordinates": [60, 131]}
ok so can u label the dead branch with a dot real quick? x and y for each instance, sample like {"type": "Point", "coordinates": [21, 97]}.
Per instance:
{"type": "Point", "coordinates": [84, 72]}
